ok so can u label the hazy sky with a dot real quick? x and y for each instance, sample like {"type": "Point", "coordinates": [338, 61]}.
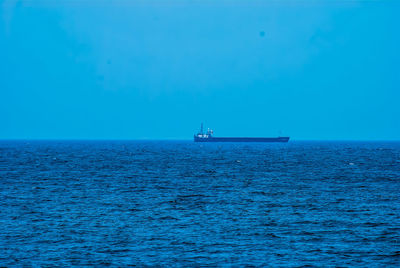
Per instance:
{"type": "Point", "coordinates": [85, 69]}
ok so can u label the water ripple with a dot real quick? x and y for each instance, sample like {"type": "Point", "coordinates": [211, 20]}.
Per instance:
{"type": "Point", "coordinates": [186, 204]}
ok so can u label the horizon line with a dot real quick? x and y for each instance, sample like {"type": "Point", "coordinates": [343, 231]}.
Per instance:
{"type": "Point", "coordinates": [175, 139]}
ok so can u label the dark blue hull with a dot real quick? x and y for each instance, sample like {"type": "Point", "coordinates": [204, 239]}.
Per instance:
{"type": "Point", "coordinates": [240, 139]}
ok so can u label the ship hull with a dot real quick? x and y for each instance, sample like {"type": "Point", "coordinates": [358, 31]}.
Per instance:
{"type": "Point", "coordinates": [240, 139]}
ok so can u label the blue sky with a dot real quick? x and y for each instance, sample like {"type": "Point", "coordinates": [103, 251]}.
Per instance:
{"type": "Point", "coordinates": [314, 70]}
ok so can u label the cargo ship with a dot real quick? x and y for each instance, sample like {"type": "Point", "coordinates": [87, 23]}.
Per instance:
{"type": "Point", "coordinates": [208, 137]}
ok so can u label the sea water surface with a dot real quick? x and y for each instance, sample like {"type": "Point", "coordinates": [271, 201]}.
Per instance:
{"type": "Point", "coordinates": [179, 203]}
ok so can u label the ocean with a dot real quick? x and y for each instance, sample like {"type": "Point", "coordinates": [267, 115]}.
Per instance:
{"type": "Point", "coordinates": [180, 203]}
